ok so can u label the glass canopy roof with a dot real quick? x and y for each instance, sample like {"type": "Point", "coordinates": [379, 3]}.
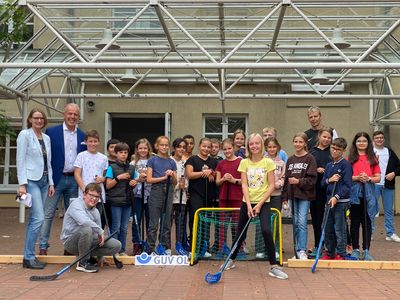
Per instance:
{"type": "Point", "coordinates": [283, 46]}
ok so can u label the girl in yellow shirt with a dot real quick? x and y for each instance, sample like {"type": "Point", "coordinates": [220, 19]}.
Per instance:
{"type": "Point", "coordinates": [257, 175]}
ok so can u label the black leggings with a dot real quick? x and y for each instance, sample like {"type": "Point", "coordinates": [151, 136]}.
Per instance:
{"type": "Point", "coordinates": [265, 221]}
{"type": "Point", "coordinates": [357, 217]}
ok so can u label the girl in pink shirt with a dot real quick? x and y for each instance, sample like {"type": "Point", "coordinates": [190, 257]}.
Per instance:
{"type": "Point", "coordinates": [364, 205]}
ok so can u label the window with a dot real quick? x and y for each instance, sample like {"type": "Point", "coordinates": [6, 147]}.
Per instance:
{"type": "Point", "coordinates": [8, 166]}
{"type": "Point", "coordinates": [213, 127]}
{"type": "Point", "coordinates": [147, 21]}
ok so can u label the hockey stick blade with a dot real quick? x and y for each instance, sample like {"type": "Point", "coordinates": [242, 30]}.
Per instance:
{"type": "Point", "coordinates": [161, 250]}
{"type": "Point", "coordinates": [181, 251]}
{"type": "Point", "coordinates": [213, 278]}
{"type": "Point", "coordinates": [43, 277]}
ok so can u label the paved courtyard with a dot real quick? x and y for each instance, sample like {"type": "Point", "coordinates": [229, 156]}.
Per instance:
{"type": "Point", "coordinates": [247, 281]}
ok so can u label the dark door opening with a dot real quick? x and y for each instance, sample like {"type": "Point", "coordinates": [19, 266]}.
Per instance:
{"type": "Point", "coordinates": [129, 130]}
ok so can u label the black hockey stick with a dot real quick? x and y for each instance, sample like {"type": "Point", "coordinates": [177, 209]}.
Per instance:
{"type": "Point", "coordinates": [67, 267]}
{"type": "Point", "coordinates": [293, 220]}
{"type": "Point", "coordinates": [117, 262]}
{"type": "Point", "coordinates": [160, 247]}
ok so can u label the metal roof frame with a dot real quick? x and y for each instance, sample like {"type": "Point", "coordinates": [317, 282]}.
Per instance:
{"type": "Point", "coordinates": [221, 44]}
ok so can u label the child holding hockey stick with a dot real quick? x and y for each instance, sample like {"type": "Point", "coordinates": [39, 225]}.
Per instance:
{"type": "Point", "coordinates": [340, 172]}
{"type": "Point", "coordinates": [258, 182]}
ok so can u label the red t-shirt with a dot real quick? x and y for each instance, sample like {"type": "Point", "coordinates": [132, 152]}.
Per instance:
{"type": "Point", "coordinates": [362, 165]}
{"type": "Point", "coordinates": [235, 190]}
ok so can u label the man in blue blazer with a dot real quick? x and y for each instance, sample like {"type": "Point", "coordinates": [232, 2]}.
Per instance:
{"type": "Point", "coordinates": [67, 140]}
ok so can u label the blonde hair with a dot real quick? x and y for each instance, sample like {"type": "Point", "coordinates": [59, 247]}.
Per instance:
{"type": "Point", "coordinates": [254, 135]}
{"type": "Point", "coordinates": [270, 129]}
{"type": "Point", "coordinates": [138, 142]}
{"type": "Point", "coordinates": [304, 137]}
{"type": "Point", "coordinates": [161, 137]}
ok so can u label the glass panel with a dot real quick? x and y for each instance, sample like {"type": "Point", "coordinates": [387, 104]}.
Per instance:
{"type": "Point", "coordinates": [214, 136]}
{"type": "Point", "coordinates": [13, 156]}
{"type": "Point", "coordinates": [2, 155]}
{"type": "Point", "coordinates": [213, 125]}
{"type": "Point", "coordinates": [1, 175]}
{"type": "Point", "coordinates": [146, 21]}
{"type": "Point", "coordinates": [235, 123]}
{"type": "Point", "coordinates": [12, 179]}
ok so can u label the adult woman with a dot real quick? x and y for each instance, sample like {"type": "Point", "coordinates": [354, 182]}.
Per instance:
{"type": "Point", "coordinates": [34, 177]}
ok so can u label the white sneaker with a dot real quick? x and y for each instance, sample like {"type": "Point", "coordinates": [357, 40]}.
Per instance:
{"type": "Point", "coordinates": [245, 249]}
{"type": "Point", "coordinates": [168, 251]}
{"type": "Point", "coordinates": [277, 272]}
{"type": "Point", "coordinates": [260, 255]}
{"type": "Point", "coordinates": [394, 237]}
{"type": "Point", "coordinates": [302, 255]}
{"type": "Point", "coordinates": [229, 265]}
{"type": "Point", "coordinates": [207, 254]}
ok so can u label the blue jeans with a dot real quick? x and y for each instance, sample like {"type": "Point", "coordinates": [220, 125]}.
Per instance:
{"type": "Point", "coordinates": [120, 220]}
{"type": "Point", "coordinates": [39, 190]}
{"type": "Point", "coordinates": [335, 231]}
{"type": "Point", "coordinates": [387, 201]}
{"type": "Point", "coordinates": [66, 187]}
{"type": "Point", "coordinates": [301, 208]}
{"type": "Point", "coordinates": [138, 209]}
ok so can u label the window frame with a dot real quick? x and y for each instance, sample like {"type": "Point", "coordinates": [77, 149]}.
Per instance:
{"type": "Point", "coordinates": [6, 187]}
{"type": "Point", "coordinates": [225, 134]}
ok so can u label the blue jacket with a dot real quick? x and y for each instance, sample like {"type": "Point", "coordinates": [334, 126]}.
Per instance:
{"type": "Point", "coordinates": [343, 186]}
{"type": "Point", "coordinates": [366, 191]}
{"type": "Point", "coordinates": [30, 163]}
{"type": "Point", "coordinates": [56, 135]}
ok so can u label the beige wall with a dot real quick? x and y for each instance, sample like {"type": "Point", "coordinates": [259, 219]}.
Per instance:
{"type": "Point", "coordinates": [288, 116]}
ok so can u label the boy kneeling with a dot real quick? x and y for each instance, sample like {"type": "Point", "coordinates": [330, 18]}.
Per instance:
{"type": "Point", "coordinates": [338, 172]}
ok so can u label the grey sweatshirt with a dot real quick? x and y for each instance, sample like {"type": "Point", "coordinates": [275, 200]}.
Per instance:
{"type": "Point", "coordinates": [77, 215]}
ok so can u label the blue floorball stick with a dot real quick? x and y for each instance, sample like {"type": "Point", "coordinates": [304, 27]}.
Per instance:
{"type": "Point", "coordinates": [324, 221]}
{"type": "Point", "coordinates": [214, 278]}
{"type": "Point", "coordinates": [160, 247]}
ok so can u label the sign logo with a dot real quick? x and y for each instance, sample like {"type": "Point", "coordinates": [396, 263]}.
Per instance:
{"type": "Point", "coordinates": [161, 260]}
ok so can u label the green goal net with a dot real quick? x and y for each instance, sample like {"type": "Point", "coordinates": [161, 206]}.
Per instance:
{"type": "Point", "coordinates": [214, 230]}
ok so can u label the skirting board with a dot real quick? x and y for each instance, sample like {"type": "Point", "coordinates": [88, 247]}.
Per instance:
{"type": "Point", "coordinates": [60, 259]}
{"type": "Point", "coordinates": [345, 264]}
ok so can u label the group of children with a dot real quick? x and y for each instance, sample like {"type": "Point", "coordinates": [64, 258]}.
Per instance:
{"type": "Point", "coordinates": [255, 176]}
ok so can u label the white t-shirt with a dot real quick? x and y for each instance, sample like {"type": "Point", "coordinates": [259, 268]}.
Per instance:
{"type": "Point", "coordinates": [383, 157]}
{"type": "Point", "coordinates": [180, 171]}
{"type": "Point", "coordinates": [91, 165]}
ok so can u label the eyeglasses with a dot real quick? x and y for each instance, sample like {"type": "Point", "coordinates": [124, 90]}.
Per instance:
{"type": "Point", "coordinates": [94, 197]}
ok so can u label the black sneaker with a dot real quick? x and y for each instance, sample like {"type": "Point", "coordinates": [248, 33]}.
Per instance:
{"type": "Point", "coordinates": [87, 267]}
